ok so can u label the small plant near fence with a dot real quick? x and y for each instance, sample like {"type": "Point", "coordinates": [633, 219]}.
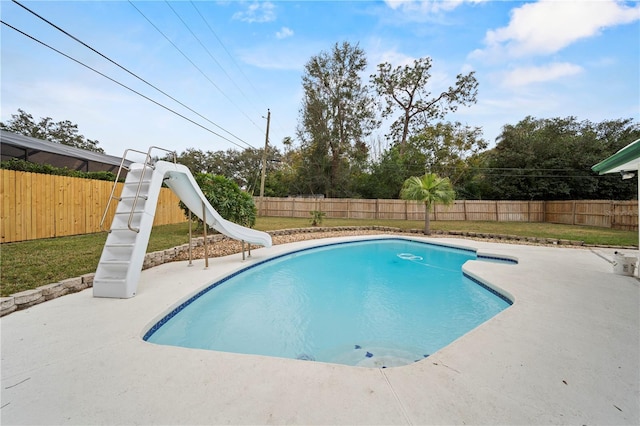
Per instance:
{"type": "Point", "coordinates": [317, 217]}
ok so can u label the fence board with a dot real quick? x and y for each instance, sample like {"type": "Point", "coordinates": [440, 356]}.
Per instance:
{"type": "Point", "coordinates": [455, 211]}
{"type": "Point", "coordinates": [48, 224]}
{"type": "Point", "coordinates": [362, 209]}
{"type": "Point", "coordinates": [392, 209]}
{"type": "Point", "coordinates": [20, 206]}
{"type": "Point", "coordinates": [624, 215]}
{"type": "Point", "coordinates": [8, 201]}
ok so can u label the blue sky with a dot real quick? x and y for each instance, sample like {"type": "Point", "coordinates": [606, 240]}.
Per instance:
{"type": "Point", "coordinates": [229, 61]}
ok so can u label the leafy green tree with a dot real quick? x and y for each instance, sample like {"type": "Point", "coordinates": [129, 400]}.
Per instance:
{"type": "Point", "coordinates": [195, 160]}
{"type": "Point", "coordinates": [243, 167]}
{"type": "Point", "coordinates": [63, 132]}
{"type": "Point", "coordinates": [447, 146]}
{"type": "Point", "coordinates": [336, 115]}
{"type": "Point", "coordinates": [389, 172]}
{"type": "Point", "coordinates": [551, 159]}
{"type": "Point", "coordinates": [291, 174]}
{"type": "Point", "coordinates": [446, 149]}
{"type": "Point", "coordinates": [406, 88]}
{"type": "Point", "coordinates": [227, 198]}
{"type": "Point", "coordinates": [428, 189]}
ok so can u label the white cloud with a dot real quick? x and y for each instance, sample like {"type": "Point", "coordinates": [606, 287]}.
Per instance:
{"type": "Point", "coordinates": [528, 75]}
{"type": "Point", "coordinates": [257, 12]}
{"type": "Point", "coordinates": [427, 6]}
{"type": "Point", "coordinates": [396, 59]}
{"type": "Point", "coordinates": [284, 33]}
{"type": "Point", "coordinates": [548, 26]}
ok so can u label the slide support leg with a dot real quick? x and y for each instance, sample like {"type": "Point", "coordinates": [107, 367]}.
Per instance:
{"type": "Point", "coordinates": [204, 227]}
{"type": "Point", "coordinates": [190, 264]}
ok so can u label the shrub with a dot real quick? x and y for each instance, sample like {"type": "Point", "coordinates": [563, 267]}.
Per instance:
{"type": "Point", "coordinates": [316, 217]}
{"type": "Point", "coordinates": [47, 169]}
{"type": "Point", "coordinates": [227, 198]}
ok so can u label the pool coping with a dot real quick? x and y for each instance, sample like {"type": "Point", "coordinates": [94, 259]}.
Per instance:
{"type": "Point", "coordinates": [567, 351]}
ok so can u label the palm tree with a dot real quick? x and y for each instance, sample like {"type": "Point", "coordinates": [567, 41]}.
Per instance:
{"type": "Point", "coordinates": [429, 189]}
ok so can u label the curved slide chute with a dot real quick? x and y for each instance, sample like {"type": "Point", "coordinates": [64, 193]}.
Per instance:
{"type": "Point", "coordinates": [181, 181]}
{"type": "Point", "coordinates": [122, 258]}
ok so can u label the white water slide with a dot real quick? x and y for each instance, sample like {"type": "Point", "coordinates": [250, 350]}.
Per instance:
{"type": "Point", "coordinates": [121, 262]}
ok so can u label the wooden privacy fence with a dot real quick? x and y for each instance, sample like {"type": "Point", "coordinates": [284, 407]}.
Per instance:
{"type": "Point", "coordinates": [606, 214]}
{"type": "Point", "coordinates": [42, 206]}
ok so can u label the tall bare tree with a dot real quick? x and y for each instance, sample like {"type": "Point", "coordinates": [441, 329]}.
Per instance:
{"type": "Point", "coordinates": [337, 115]}
{"type": "Point", "coordinates": [406, 88]}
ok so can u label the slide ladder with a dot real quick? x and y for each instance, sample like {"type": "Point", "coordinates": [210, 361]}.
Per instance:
{"type": "Point", "coordinates": [124, 251]}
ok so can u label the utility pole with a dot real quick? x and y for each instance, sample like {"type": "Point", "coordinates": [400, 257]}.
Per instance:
{"type": "Point", "coordinates": [264, 163]}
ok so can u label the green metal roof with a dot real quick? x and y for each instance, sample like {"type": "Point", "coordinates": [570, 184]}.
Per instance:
{"type": "Point", "coordinates": [627, 159]}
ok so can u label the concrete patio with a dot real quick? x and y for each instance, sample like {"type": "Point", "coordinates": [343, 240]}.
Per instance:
{"type": "Point", "coordinates": [566, 352]}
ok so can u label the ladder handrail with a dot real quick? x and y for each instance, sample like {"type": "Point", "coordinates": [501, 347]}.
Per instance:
{"type": "Point", "coordinates": [115, 184]}
{"type": "Point", "coordinates": [147, 162]}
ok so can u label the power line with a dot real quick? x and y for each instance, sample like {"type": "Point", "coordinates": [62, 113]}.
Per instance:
{"type": "Point", "coordinates": [211, 56]}
{"type": "Point", "coordinates": [118, 83]}
{"type": "Point", "coordinates": [224, 47]}
{"type": "Point", "coordinates": [191, 62]}
{"type": "Point", "coordinates": [256, 91]}
{"type": "Point", "coordinates": [128, 71]}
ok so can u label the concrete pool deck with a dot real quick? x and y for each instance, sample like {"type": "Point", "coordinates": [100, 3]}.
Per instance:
{"type": "Point", "coordinates": [566, 352]}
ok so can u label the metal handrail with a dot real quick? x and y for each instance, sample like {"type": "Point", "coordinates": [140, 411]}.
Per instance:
{"type": "Point", "coordinates": [115, 184]}
{"type": "Point", "coordinates": [147, 162]}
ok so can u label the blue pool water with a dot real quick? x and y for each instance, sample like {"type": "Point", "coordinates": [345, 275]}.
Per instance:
{"type": "Point", "coordinates": [375, 303]}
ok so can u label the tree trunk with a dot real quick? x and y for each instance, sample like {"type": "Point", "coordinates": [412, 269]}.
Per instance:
{"type": "Point", "coordinates": [405, 130]}
{"type": "Point", "coordinates": [427, 219]}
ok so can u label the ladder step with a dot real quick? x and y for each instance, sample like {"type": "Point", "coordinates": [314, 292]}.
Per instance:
{"type": "Point", "coordinates": [132, 197]}
{"type": "Point", "coordinates": [116, 245]}
{"type": "Point", "coordinates": [135, 184]}
{"type": "Point", "coordinates": [115, 262]}
{"type": "Point", "coordinates": [109, 280]}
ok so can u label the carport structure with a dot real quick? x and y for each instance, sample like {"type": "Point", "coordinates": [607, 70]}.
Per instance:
{"type": "Point", "coordinates": [627, 163]}
{"type": "Point", "coordinates": [40, 151]}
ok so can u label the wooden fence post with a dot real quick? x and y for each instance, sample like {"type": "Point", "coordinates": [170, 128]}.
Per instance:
{"type": "Point", "coordinates": [612, 214]}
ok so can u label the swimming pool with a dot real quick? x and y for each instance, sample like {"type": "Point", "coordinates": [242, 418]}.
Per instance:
{"type": "Point", "coordinates": [373, 303]}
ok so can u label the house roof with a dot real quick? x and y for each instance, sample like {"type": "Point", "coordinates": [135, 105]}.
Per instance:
{"type": "Point", "coordinates": [625, 160]}
{"type": "Point", "coordinates": [13, 145]}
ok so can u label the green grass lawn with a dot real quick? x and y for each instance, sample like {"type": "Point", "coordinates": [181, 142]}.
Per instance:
{"type": "Point", "coordinates": [588, 234]}
{"type": "Point", "coordinates": [30, 264]}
